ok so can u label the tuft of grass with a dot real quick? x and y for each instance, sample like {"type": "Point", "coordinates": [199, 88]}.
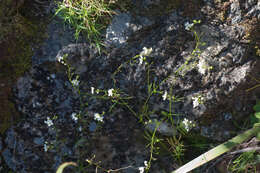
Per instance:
{"type": "Point", "coordinates": [176, 148]}
{"type": "Point", "coordinates": [245, 162]}
{"type": "Point", "coordinates": [88, 17]}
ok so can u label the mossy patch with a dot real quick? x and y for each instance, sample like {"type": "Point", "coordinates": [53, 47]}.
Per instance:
{"type": "Point", "coordinates": [8, 113]}
{"type": "Point", "coordinates": [19, 35]}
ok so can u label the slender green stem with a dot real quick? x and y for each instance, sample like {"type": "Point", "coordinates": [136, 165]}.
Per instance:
{"type": "Point", "coordinates": [152, 146]}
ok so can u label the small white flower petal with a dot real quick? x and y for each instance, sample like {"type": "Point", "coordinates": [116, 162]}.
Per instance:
{"type": "Point", "coordinates": [164, 95]}
{"type": "Point", "coordinates": [74, 117]}
{"type": "Point", "coordinates": [48, 122]}
{"type": "Point", "coordinates": [195, 102]}
{"type": "Point", "coordinates": [60, 59]}
{"type": "Point", "coordinates": [141, 169]}
{"type": "Point", "coordinates": [75, 82]}
{"type": "Point", "coordinates": [92, 90]}
{"type": "Point", "coordinates": [202, 66]}
{"type": "Point", "coordinates": [98, 117]}
{"type": "Point", "coordinates": [188, 25]}
{"type": "Point", "coordinates": [145, 163]}
{"type": "Point", "coordinates": [141, 60]}
{"type": "Point", "coordinates": [146, 52]}
{"type": "Point", "coordinates": [110, 92]}
{"type": "Point", "coordinates": [188, 124]}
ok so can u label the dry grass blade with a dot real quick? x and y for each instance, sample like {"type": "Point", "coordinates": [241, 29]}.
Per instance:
{"type": "Point", "coordinates": [64, 165]}
{"type": "Point", "coordinates": [217, 151]}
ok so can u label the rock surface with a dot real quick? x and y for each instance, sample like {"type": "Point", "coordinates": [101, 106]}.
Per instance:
{"type": "Point", "coordinates": [207, 86]}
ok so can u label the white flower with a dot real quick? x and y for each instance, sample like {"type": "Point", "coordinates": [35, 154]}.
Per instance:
{"type": "Point", "coordinates": [195, 102]}
{"type": "Point", "coordinates": [75, 82]}
{"type": "Point", "coordinates": [48, 122]}
{"type": "Point", "coordinates": [60, 59]}
{"type": "Point", "coordinates": [188, 25]}
{"type": "Point", "coordinates": [202, 66]}
{"type": "Point", "coordinates": [74, 117]}
{"type": "Point", "coordinates": [141, 169]}
{"type": "Point", "coordinates": [98, 117]}
{"type": "Point", "coordinates": [92, 90]}
{"type": "Point", "coordinates": [145, 163]}
{"type": "Point", "coordinates": [141, 60]}
{"type": "Point", "coordinates": [164, 95]}
{"type": "Point", "coordinates": [146, 52]}
{"type": "Point", "coordinates": [110, 92]}
{"type": "Point", "coordinates": [188, 124]}
{"type": "Point", "coordinates": [45, 146]}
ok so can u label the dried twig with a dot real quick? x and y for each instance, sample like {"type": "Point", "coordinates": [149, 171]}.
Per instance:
{"type": "Point", "coordinates": [244, 150]}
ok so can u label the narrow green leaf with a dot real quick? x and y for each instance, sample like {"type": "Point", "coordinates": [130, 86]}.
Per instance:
{"type": "Point", "coordinates": [253, 119]}
{"type": "Point", "coordinates": [257, 107]}
{"type": "Point", "coordinates": [258, 136]}
{"type": "Point", "coordinates": [257, 115]}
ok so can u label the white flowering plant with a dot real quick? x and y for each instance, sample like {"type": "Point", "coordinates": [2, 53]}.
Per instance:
{"type": "Point", "coordinates": [74, 117]}
{"type": "Point", "coordinates": [99, 117]}
{"type": "Point", "coordinates": [140, 59]}
{"type": "Point", "coordinates": [144, 168]}
{"type": "Point", "coordinates": [187, 124]}
{"type": "Point", "coordinates": [197, 100]}
{"type": "Point", "coordinates": [49, 122]}
{"type": "Point", "coordinates": [155, 88]}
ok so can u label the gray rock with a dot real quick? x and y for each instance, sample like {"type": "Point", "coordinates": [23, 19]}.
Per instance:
{"type": "Point", "coordinates": [9, 159]}
{"type": "Point", "coordinates": [92, 126]}
{"type": "Point", "coordinates": [162, 128]}
{"type": "Point", "coordinates": [59, 35]}
{"type": "Point", "coordinates": [118, 32]}
{"type": "Point", "coordinates": [123, 26]}
{"type": "Point", "coordinates": [10, 139]}
{"type": "Point", "coordinates": [235, 12]}
{"type": "Point", "coordinates": [23, 86]}
{"type": "Point", "coordinates": [39, 141]}
{"type": "Point", "coordinates": [79, 54]}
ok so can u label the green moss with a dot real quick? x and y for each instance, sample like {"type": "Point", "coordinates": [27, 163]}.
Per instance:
{"type": "Point", "coordinates": [8, 112]}
{"type": "Point", "coordinates": [18, 35]}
